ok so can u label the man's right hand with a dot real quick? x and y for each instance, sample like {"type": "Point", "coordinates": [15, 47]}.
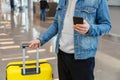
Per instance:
{"type": "Point", "coordinates": [34, 44]}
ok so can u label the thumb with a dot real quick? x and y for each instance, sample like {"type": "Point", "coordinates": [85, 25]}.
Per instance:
{"type": "Point", "coordinates": [84, 21]}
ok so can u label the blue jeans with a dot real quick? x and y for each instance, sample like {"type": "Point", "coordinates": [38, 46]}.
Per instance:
{"type": "Point", "coordinates": [43, 14]}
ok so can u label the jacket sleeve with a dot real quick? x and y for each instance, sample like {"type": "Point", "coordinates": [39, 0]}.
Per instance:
{"type": "Point", "coordinates": [103, 24]}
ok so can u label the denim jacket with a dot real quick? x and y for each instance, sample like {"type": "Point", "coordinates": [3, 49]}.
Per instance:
{"type": "Point", "coordinates": [95, 12]}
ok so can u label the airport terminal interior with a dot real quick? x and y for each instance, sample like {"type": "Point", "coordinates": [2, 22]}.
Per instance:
{"type": "Point", "coordinates": [24, 25]}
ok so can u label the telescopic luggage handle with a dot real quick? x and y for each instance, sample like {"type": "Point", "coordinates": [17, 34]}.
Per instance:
{"type": "Point", "coordinates": [27, 71]}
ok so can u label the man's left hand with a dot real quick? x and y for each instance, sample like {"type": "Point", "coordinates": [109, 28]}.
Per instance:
{"type": "Point", "coordinates": [82, 28]}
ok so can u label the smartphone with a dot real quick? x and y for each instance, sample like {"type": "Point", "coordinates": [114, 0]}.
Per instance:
{"type": "Point", "coordinates": [77, 20]}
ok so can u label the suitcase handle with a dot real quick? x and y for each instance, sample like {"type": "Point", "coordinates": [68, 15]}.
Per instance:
{"type": "Point", "coordinates": [24, 45]}
{"type": "Point", "coordinates": [24, 71]}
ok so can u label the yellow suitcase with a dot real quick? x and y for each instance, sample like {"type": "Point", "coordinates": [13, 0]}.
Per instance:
{"type": "Point", "coordinates": [29, 70]}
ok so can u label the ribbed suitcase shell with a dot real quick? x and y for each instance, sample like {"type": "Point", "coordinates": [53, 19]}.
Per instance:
{"type": "Point", "coordinates": [14, 71]}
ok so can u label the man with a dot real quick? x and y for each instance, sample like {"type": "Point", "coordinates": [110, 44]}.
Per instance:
{"type": "Point", "coordinates": [12, 5]}
{"type": "Point", "coordinates": [43, 7]}
{"type": "Point", "coordinates": [16, 12]}
{"type": "Point", "coordinates": [76, 45]}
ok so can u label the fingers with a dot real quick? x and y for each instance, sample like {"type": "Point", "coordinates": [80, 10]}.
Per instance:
{"type": "Point", "coordinates": [34, 44]}
{"type": "Point", "coordinates": [82, 28]}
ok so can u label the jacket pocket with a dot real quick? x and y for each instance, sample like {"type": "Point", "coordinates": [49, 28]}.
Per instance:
{"type": "Point", "coordinates": [87, 12]}
{"type": "Point", "coordinates": [88, 9]}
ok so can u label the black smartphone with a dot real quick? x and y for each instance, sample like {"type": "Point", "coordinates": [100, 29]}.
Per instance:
{"type": "Point", "coordinates": [77, 20]}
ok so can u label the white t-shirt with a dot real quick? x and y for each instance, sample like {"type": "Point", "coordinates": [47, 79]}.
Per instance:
{"type": "Point", "coordinates": [67, 38]}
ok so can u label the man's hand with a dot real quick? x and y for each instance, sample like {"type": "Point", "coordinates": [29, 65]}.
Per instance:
{"type": "Point", "coordinates": [34, 44]}
{"type": "Point", "coordinates": [82, 28]}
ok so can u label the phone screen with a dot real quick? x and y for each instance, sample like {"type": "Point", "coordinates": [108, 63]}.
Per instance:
{"type": "Point", "coordinates": [77, 20]}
